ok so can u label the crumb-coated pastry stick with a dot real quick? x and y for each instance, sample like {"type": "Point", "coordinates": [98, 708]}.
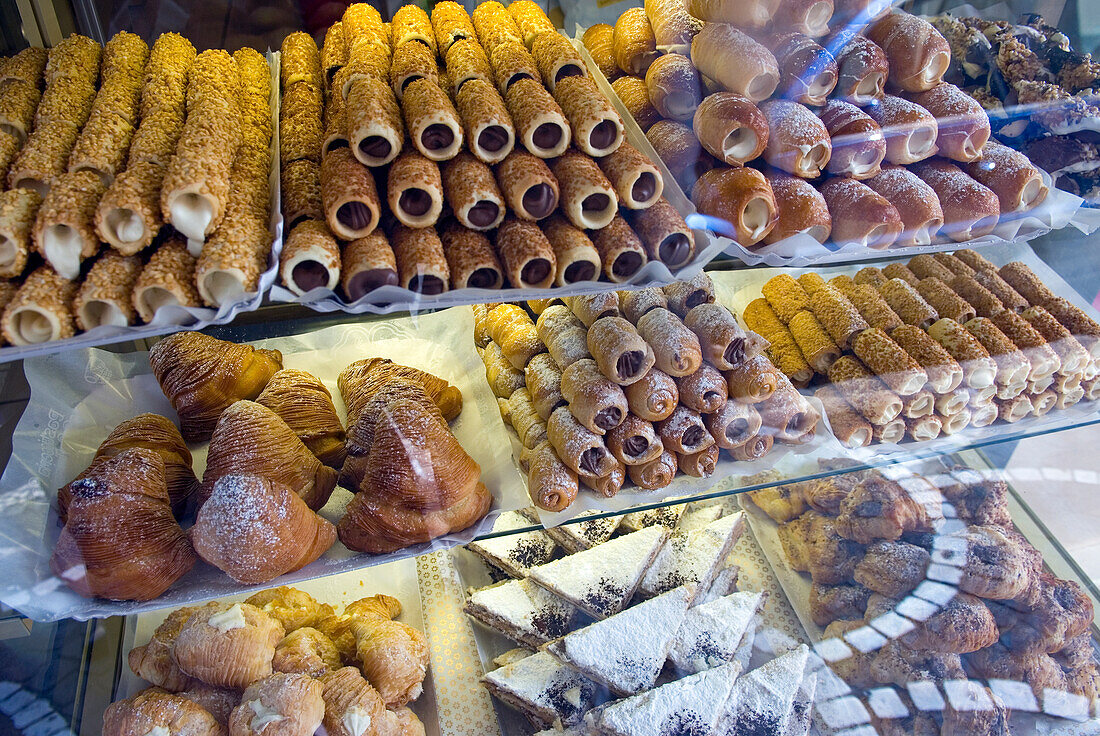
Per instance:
{"type": "Point", "coordinates": [675, 87]}
{"type": "Point", "coordinates": [528, 185]}
{"type": "Point", "coordinates": [907, 303]}
{"type": "Point", "coordinates": [842, 282]}
{"type": "Point", "coordinates": [77, 57]}
{"type": "Point", "coordinates": [556, 59]}
{"type": "Point", "coordinates": [724, 343]}
{"type": "Point", "coordinates": [334, 51]}
{"type": "Point", "coordinates": [39, 312]}
{"type": "Point", "coordinates": [621, 250]}
{"type": "Point", "coordinates": [64, 229]}
{"type": "Point", "coordinates": [527, 255]}
{"type": "Point", "coordinates": [964, 125]}
{"type": "Point", "coordinates": [375, 126]}
{"type": "Point", "coordinates": [156, 138]}
{"type": "Point", "coordinates": [873, 308]}
{"type": "Point", "coordinates": [847, 425]}
{"type": "Point", "coordinates": [633, 42]}
{"type": "Point", "coordinates": [301, 193]}
{"type": "Point", "coordinates": [367, 61]}
{"type": "Point", "coordinates": [705, 390]}
{"type": "Point", "coordinates": [861, 215]}
{"type": "Point", "coordinates": [363, 25]}
{"type": "Point", "coordinates": [924, 428]}
{"type": "Point", "coordinates": [785, 296]}
{"type": "Point", "coordinates": [540, 123]}
{"type": "Point", "coordinates": [587, 198]}
{"type": "Point", "coordinates": [9, 148]}
{"type": "Point", "coordinates": [530, 19]}
{"type": "Point", "coordinates": [542, 378]}
{"type": "Point", "coordinates": [128, 216]}
{"type": "Point", "coordinates": [196, 186]}
{"type": "Point", "coordinates": [104, 297]}
{"type": "Point", "coordinates": [1044, 361]}
{"type": "Point", "coordinates": [945, 301]}
{"type": "Point", "coordinates": [596, 127]}
{"type": "Point", "coordinates": [490, 134]}
{"type": "Point", "coordinates": [1071, 355]}
{"type": "Point", "coordinates": [865, 391]}
{"type": "Point", "coordinates": [753, 380]}
{"type": "Point", "coordinates": [798, 142]}
{"type": "Point", "coordinates": [525, 420]}
{"type": "Point", "coordinates": [472, 192]}
{"type": "Point", "coordinates": [551, 485]}
{"type": "Point", "coordinates": [979, 369]}
{"type": "Point", "coordinates": [43, 157]}
{"type": "Point", "coordinates": [471, 258]}
{"type": "Point", "coordinates": [495, 25]}
{"type": "Point", "coordinates": [817, 347]}
{"type": "Point", "coordinates": [366, 264]}
{"type": "Point", "coordinates": [581, 450]}
{"type": "Point", "coordinates": [971, 259]}
{"type": "Point", "coordinates": [970, 210]}
{"type": "Point", "coordinates": [943, 371]}
{"type": "Point", "coordinates": [310, 258]}
{"type": "Point", "coordinates": [231, 261]}
{"type": "Point", "coordinates": [742, 199]}
{"type": "Point", "coordinates": [621, 353]}
{"type": "Point", "coordinates": [412, 61]}
{"type": "Point", "coordinates": [1025, 282]}
{"type": "Point", "coordinates": [511, 329]}
{"type": "Point", "coordinates": [421, 264]}
{"type": "Point", "coordinates": [432, 121]}
{"type": "Point", "coordinates": [466, 60]}
{"type": "Point", "coordinates": [655, 474]}
{"type": "Point", "coordinates": [451, 23]}
{"type": "Point", "coordinates": [300, 60]}
{"type": "Point", "coordinates": [512, 62]}
{"type": "Point", "coordinates": [27, 66]}
{"type": "Point", "coordinates": [635, 304]}
{"type": "Point", "coordinates": [414, 190]}
{"type": "Point", "coordinates": [664, 233]}
{"type": "Point", "coordinates": [18, 103]}
{"type": "Point", "coordinates": [856, 139]}
{"type": "Point", "coordinates": [985, 303]}
{"type": "Point", "coordinates": [730, 127]}
{"type": "Point", "coordinates": [683, 296]}
{"type": "Point", "coordinates": [167, 280]}
{"type": "Point", "coordinates": [66, 101]}
{"type": "Point", "coordinates": [783, 350]}
{"type": "Point", "coordinates": [909, 129]}
{"type": "Point", "coordinates": [898, 270]}
{"type": "Point", "coordinates": [349, 196]}
{"type": "Point", "coordinates": [897, 369]}
{"type": "Point", "coordinates": [917, 53]}
{"type": "Point", "coordinates": [565, 336]}
{"type": "Point", "coordinates": [733, 424]}
{"type": "Point", "coordinates": [576, 258]}
{"type": "Point", "coordinates": [925, 266]}
{"type": "Point", "coordinates": [675, 347]}
{"type": "Point", "coordinates": [1009, 298]}
{"type": "Point", "coordinates": [18, 210]}
{"type": "Point", "coordinates": [872, 276]}
{"type": "Point", "coordinates": [597, 403]}
{"type": "Point", "coordinates": [653, 397]}
{"type": "Point", "coordinates": [840, 318]}
{"type": "Point", "coordinates": [808, 71]}
{"type": "Point", "coordinates": [634, 442]}
{"type": "Point", "coordinates": [411, 23]}
{"type": "Point", "coordinates": [1010, 175]}
{"type": "Point", "coordinates": [861, 67]}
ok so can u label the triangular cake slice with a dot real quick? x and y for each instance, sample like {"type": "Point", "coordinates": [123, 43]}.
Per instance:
{"type": "Point", "coordinates": [761, 701]}
{"type": "Point", "coordinates": [798, 722]}
{"type": "Point", "coordinates": [693, 557]}
{"type": "Point", "coordinates": [724, 583]}
{"type": "Point", "coordinates": [543, 689]}
{"type": "Point", "coordinates": [626, 651]}
{"type": "Point", "coordinates": [701, 513]}
{"type": "Point", "coordinates": [601, 580]}
{"type": "Point", "coordinates": [711, 632]}
{"type": "Point", "coordinates": [524, 612]}
{"type": "Point", "coordinates": [585, 534]}
{"type": "Point", "coordinates": [666, 516]}
{"type": "Point", "coordinates": [687, 706]}
{"type": "Point", "coordinates": [515, 554]}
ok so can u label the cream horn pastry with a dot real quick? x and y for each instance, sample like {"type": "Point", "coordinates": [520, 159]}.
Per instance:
{"type": "Point", "coordinates": [898, 370]}
{"type": "Point", "coordinates": [754, 14]}
{"type": "Point", "coordinates": [633, 42]}
{"type": "Point", "coordinates": [861, 67]}
{"type": "Point", "coordinates": [466, 60]}
{"type": "Point", "coordinates": [979, 369]}
{"type": "Point", "coordinates": [414, 190]}
{"type": "Point", "coordinates": [102, 146]}
{"type": "Point", "coordinates": [865, 391]}
{"type": "Point", "coordinates": [860, 214]}
{"type": "Point", "coordinates": [597, 403]}
{"type": "Point", "coordinates": [1071, 355]}
{"type": "Point", "coordinates": [944, 300]}
{"type": "Point", "coordinates": [675, 347]}
{"type": "Point", "coordinates": [472, 192]}
{"type": "Point", "coordinates": [655, 474]}
{"type": "Point", "coordinates": [847, 424]}
{"type": "Point", "coordinates": [838, 315]}
{"type": "Point", "coordinates": [637, 181]}
{"type": "Point", "coordinates": [699, 464]}
{"type": "Point", "coordinates": [587, 198]}
{"type": "Point", "coordinates": [653, 397]}
{"type": "Point", "coordinates": [470, 257]}
{"type": "Point", "coordinates": [733, 424]}
{"type": "Point", "coordinates": [705, 390]}
{"type": "Point", "coordinates": [491, 136]}
{"type": "Point", "coordinates": [231, 261]}
{"type": "Point", "coordinates": [730, 127]}
{"type": "Point", "coordinates": [598, 38]}
{"type": "Point", "coordinates": [635, 98]}
{"type": "Point", "coordinates": [542, 378]}
{"type": "Point", "coordinates": [785, 295]}
{"type": "Point", "coordinates": [540, 124]}
{"type": "Point", "coordinates": [349, 196]}
{"type": "Point", "coordinates": [581, 450]}
{"type": "Point", "coordinates": [1080, 325]}
{"type": "Point", "coordinates": [1016, 408]}
{"type": "Point", "coordinates": [798, 142]}
{"type": "Point", "coordinates": [753, 380]}
{"type": "Point", "coordinates": [665, 235]}
{"type": "Point", "coordinates": [970, 210]}
{"type": "Point", "coordinates": [375, 126]}
{"type": "Point", "coordinates": [621, 353]}
{"type": "Point", "coordinates": [432, 121]}
{"type": "Point", "coordinates": [411, 62]}
{"type": "Point", "coordinates": [907, 303]}
{"type": "Point", "coordinates": [596, 127]}
{"type": "Point", "coordinates": [512, 62]}
{"type": "Point", "coordinates": [530, 428]}
{"type": "Point", "coordinates": [529, 187]}
{"type": "Point", "coordinates": [167, 280]}
{"type": "Point", "coordinates": [723, 341]}
{"type": "Point", "coordinates": [735, 61]}
{"type": "Point", "coordinates": [808, 17]}
{"type": "Point", "coordinates": [1044, 361]}
{"type": "Point", "coordinates": [1010, 175]}
{"type": "Point", "coordinates": [551, 484]}
{"type": "Point", "coordinates": [674, 86]}
{"type": "Point", "coordinates": [421, 263]}
{"type": "Point", "coordinates": [610, 484]}
{"type": "Point", "coordinates": [857, 141]}
{"type": "Point", "coordinates": [621, 250]}
{"type": "Point", "coordinates": [576, 257]}
{"type": "Point", "coordinates": [565, 336]}
{"type": "Point", "coordinates": [310, 259]}
{"type": "Point", "coordinates": [556, 59]}
{"type": "Point", "coordinates": [873, 308]}
{"type": "Point", "coordinates": [494, 25]}
{"type": "Point", "coordinates": [18, 209]}
{"type": "Point", "coordinates": [681, 152]}
{"type": "Point", "coordinates": [963, 123]}
{"type": "Point", "coordinates": [808, 72]}
{"type": "Point", "coordinates": [673, 27]}
{"type": "Point", "coordinates": [741, 197]}
{"type": "Point", "coordinates": [527, 255]}
{"type": "Point", "coordinates": [301, 193]}
{"type": "Point", "coordinates": [683, 296]}
{"type": "Point", "coordinates": [915, 201]}
{"type": "Point", "coordinates": [909, 129]}
{"type": "Point", "coordinates": [104, 296]}
{"type": "Point", "coordinates": [683, 431]}
{"type": "Point", "coordinates": [1008, 297]}
{"type": "Point", "coordinates": [917, 53]}
{"type": "Point", "coordinates": [366, 264]}
{"type": "Point", "coordinates": [635, 304]}
{"type": "Point", "coordinates": [634, 441]}
{"type": "Point", "coordinates": [817, 347]}
{"type": "Point", "coordinates": [64, 230]}
{"type": "Point", "coordinates": [40, 310]}
{"type": "Point", "coordinates": [1066, 399]}
{"type": "Point", "coordinates": [800, 208]}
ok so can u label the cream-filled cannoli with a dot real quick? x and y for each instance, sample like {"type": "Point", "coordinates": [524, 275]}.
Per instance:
{"type": "Point", "coordinates": [817, 347]}
{"type": "Point", "coordinates": [528, 185]}
{"type": "Point", "coordinates": [1044, 361]}
{"type": "Point", "coordinates": [730, 127]}
{"type": "Point", "coordinates": [18, 210]}
{"type": "Point", "coordinates": [1010, 175]}
{"type": "Point", "coordinates": [451, 23]}
{"type": "Point", "coordinates": [675, 87]}
{"type": "Point", "coordinates": [754, 14]}
{"type": "Point", "coordinates": [565, 335]}
{"type": "Point", "coordinates": [945, 301]}
{"type": "Point", "coordinates": [861, 67]}
{"type": "Point", "coordinates": [590, 307]}
{"type": "Point", "coordinates": [681, 152]}
{"type": "Point", "coordinates": [634, 44]}
{"type": "Point", "coordinates": [1071, 355]}
{"type": "Point", "coordinates": [596, 127]}
{"type": "Point", "coordinates": [742, 197]}
{"type": "Point", "coordinates": [576, 257]}
{"type": "Point", "coordinates": [753, 380]}
{"type": "Point", "coordinates": [597, 403]}
{"type": "Point", "coordinates": [683, 296]}
{"type": "Point", "coordinates": [231, 261]}
{"type": "Point", "coordinates": [414, 190]}
{"type": "Point", "coordinates": [156, 138]}
{"type": "Point", "coordinates": [104, 297]}
{"type": "Point", "coordinates": [495, 25]}
{"type": "Point", "coordinates": [421, 264]}
{"type": "Point", "coordinates": [310, 259]}
{"type": "Point", "coordinates": [865, 391]}
{"type": "Point", "coordinates": [1080, 325]}
{"type": "Point", "coordinates": [375, 127]}
{"type": "Point", "coordinates": [511, 63]}
{"type": "Point", "coordinates": [1008, 297]}
{"type": "Point", "coordinates": [334, 51]}
{"type": "Point", "coordinates": [857, 142]}
{"type": "Point", "coordinates": [363, 25]}
{"type": "Point", "coordinates": [196, 187]}
{"type": "Point", "coordinates": [622, 354]}
{"type": "Point", "coordinates": [839, 316]}
{"type": "Point", "coordinates": [301, 192]}
{"type": "Point", "coordinates": [923, 428]}
{"type": "Point", "coordinates": [65, 101]}
{"type": "Point", "coordinates": [540, 123]}
{"type": "Point", "coordinates": [542, 378]}
{"type": "Point", "coordinates": [349, 196]}
{"type": "Point", "coordinates": [808, 17]}
{"type": "Point", "coordinates": [907, 303]}
{"type": "Point", "coordinates": [412, 61]}
{"type": "Point", "coordinates": [799, 209]}
{"type": "Point", "coordinates": [808, 73]}
{"type": "Point", "coordinates": [735, 61]}
{"type": "Point", "coordinates": [655, 474]}
{"type": "Point", "coordinates": [637, 181]}
{"type": "Point", "coordinates": [915, 201]}
{"type": "Point", "coordinates": [471, 258]}
{"type": "Point", "coordinates": [300, 60]}
{"type": "Point", "coordinates": [18, 102]}
{"type": "Point", "coordinates": [491, 135]}
{"type": "Point", "coordinates": [578, 447]}
{"type": "Point", "coordinates": [587, 198]}
{"type": "Point", "coordinates": [167, 280]}
{"type": "Point", "coordinates": [128, 215]}
{"type": "Point", "coordinates": [621, 250]}
{"type": "Point", "coordinates": [472, 192]}
{"type": "Point", "coordinates": [798, 142]}
{"type": "Point", "coordinates": [918, 54]}
{"type": "Point", "coordinates": [27, 65]}
{"type": "Point", "coordinates": [952, 402]}
{"type": "Point", "coordinates": [40, 310]}
{"type": "Point", "coordinates": [550, 483]}
{"type": "Point", "coordinates": [556, 59]}
{"type": "Point", "coordinates": [963, 123]}
{"type": "Point", "coordinates": [411, 23]}
{"type": "Point", "coordinates": [860, 214]}
{"type": "Point", "coordinates": [665, 235]}
{"type": "Point", "coordinates": [723, 341]}
{"type": "Point", "coordinates": [909, 129]}
{"type": "Point", "coordinates": [43, 157]}
{"type": "Point", "coordinates": [367, 264]}
{"type": "Point", "coordinates": [970, 210]}
{"type": "Point", "coordinates": [634, 304]}
{"type": "Point", "coordinates": [64, 229]}
{"type": "Point", "coordinates": [467, 60]}
{"type": "Point", "coordinates": [527, 255]}
{"type": "Point", "coordinates": [432, 121]}
{"type": "Point", "coordinates": [979, 369]}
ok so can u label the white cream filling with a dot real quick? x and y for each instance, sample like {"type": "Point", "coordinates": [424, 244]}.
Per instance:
{"type": "Point", "coordinates": [8, 252]}
{"type": "Point", "coordinates": [222, 286]}
{"type": "Point", "coordinates": [985, 393]}
{"type": "Point", "coordinates": [62, 248]}
{"type": "Point", "coordinates": [126, 225]}
{"type": "Point", "coordinates": [1042, 404]}
{"type": "Point", "coordinates": [873, 236]}
{"type": "Point", "coordinates": [983, 416]}
{"type": "Point", "coordinates": [860, 438]}
{"type": "Point", "coordinates": [922, 235]}
{"type": "Point", "coordinates": [950, 404]}
{"type": "Point", "coordinates": [680, 104]}
{"type": "Point", "coordinates": [158, 731]}
{"type": "Point", "coordinates": [925, 432]}
{"type": "Point", "coordinates": [864, 163]}
{"type": "Point", "coordinates": [356, 720]}
{"type": "Point", "coordinates": [263, 715]}
{"type": "Point", "coordinates": [229, 619]}
{"type": "Point", "coordinates": [1041, 384]}
{"type": "Point", "coordinates": [952, 423]}
{"type": "Point", "coordinates": [981, 377]}
{"type": "Point", "coordinates": [921, 406]}
{"type": "Point", "coordinates": [761, 86]}
{"type": "Point", "coordinates": [969, 150]}
{"type": "Point", "coordinates": [811, 159]}
{"type": "Point", "coordinates": [934, 70]}
{"type": "Point", "coordinates": [191, 215]}
{"type": "Point", "coordinates": [1028, 196]}
{"type": "Point", "coordinates": [755, 217]}
{"type": "Point", "coordinates": [33, 325]}
{"type": "Point", "coordinates": [920, 142]}
{"type": "Point", "coordinates": [97, 312]}
{"type": "Point", "coordinates": [739, 144]}
{"type": "Point", "coordinates": [155, 297]}
{"type": "Point", "coordinates": [821, 85]}
{"type": "Point", "coordinates": [868, 88]}
{"type": "Point", "coordinates": [817, 18]}
{"type": "Point", "coordinates": [818, 232]}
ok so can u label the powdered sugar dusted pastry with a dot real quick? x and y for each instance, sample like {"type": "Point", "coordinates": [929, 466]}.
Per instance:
{"type": "Point", "coordinates": [291, 702]}
{"type": "Point", "coordinates": [809, 72]}
{"type": "Point", "coordinates": [809, 17]}
{"type": "Point", "coordinates": [970, 210]}
{"type": "Point", "coordinates": [227, 645]}
{"type": "Point", "coordinates": [432, 120]}
{"type": "Point", "coordinates": [621, 353]}
{"type": "Point", "coordinates": [696, 699]}
{"type": "Point", "coordinates": [580, 449]}
{"type": "Point", "coordinates": [524, 612]}
{"type": "Point", "coordinates": [673, 27]}
{"type": "Point", "coordinates": [964, 126]}
{"type": "Point", "coordinates": [537, 687]}
{"type": "Point", "coordinates": [675, 88]}
{"type": "Point", "coordinates": [735, 61]}
{"type": "Point", "coordinates": [730, 127]}
{"type": "Point", "coordinates": [1010, 175]}
{"type": "Point", "coordinates": [798, 142]}
{"type": "Point", "coordinates": [862, 67]}
{"type": "Point", "coordinates": [676, 348]}
{"type": "Point", "coordinates": [153, 711]}
{"type": "Point", "coordinates": [800, 208]}
{"type": "Point", "coordinates": [551, 484]}
{"type": "Point", "coordinates": [909, 129]}
{"type": "Point", "coordinates": [741, 197]}
{"type": "Point", "coordinates": [528, 185]}
{"type": "Point", "coordinates": [677, 146]}
{"type": "Point", "coordinates": [527, 255]}
{"type": "Point", "coordinates": [595, 402]}
{"type": "Point", "coordinates": [565, 336]}
{"type": "Point", "coordinates": [693, 557]}
{"type": "Point", "coordinates": [918, 54]}
{"type": "Point", "coordinates": [724, 343]}
{"type": "Point", "coordinates": [540, 123]}
{"type": "Point", "coordinates": [711, 632]}
{"type": "Point", "coordinates": [763, 698]}
{"type": "Point", "coordinates": [515, 554]}
{"type": "Point", "coordinates": [916, 203]}
{"type": "Point", "coordinates": [861, 215]}
{"type": "Point", "coordinates": [755, 14]}
{"type": "Point", "coordinates": [857, 141]}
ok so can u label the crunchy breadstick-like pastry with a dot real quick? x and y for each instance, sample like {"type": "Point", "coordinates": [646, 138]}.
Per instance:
{"type": "Point", "coordinates": [907, 303]}
{"type": "Point", "coordinates": [944, 372]}
{"type": "Point", "coordinates": [979, 369]}
{"type": "Point", "coordinates": [9, 148]}
{"type": "Point", "coordinates": [588, 198]}
{"type": "Point", "coordinates": [527, 255]}
{"type": "Point", "coordinates": [64, 230]}
{"type": "Point", "coordinates": [1025, 282]}
{"type": "Point", "coordinates": [196, 187]}
{"type": "Point", "coordinates": [66, 101]}
{"type": "Point", "coordinates": [412, 61]}
{"type": "Point", "coordinates": [675, 346]}
{"type": "Point", "coordinates": [104, 297]}
{"type": "Point", "coordinates": [857, 141]}
{"type": "Point", "coordinates": [540, 123]}
{"type": "Point", "coordinates": [421, 263]}
{"type": "Point", "coordinates": [1044, 361]}
{"type": "Point", "coordinates": [862, 67]}
{"type": "Point", "coordinates": [741, 197]}
{"type": "Point", "coordinates": [231, 261]}
{"type": "Point", "coordinates": [466, 60]}
{"type": "Point", "coordinates": [432, 120]}
{"type": "Point", "coordinates": [375, 126]}
{"type": "Point", "coordinates": [43, 157]}
{"type": "Point", "coordinates": [1008, 297]}
{"type": "Point", "coordinates": [471, 258]}
{"type": "Point", "coordinates": [897, 369]}
{"type": "Point", "coordinates": [622, 354]}
{"type": "Point", "coordinates": [873, 308]}
{"type": "Point", "coordinates": [512, 62]}
{"type": "Point", "coordinates": [964, 127]}
{"type": "Point", "coordinates": [39, 312]}
{"type": "Point", "coordinates": [918, 54]}
{"type": "Point", "coordinates": [979, 297]}
{"type": "Point", "coordinates": [665, 235]}
{"type": "Point", "coordinates": [156, 138]}
{"type": "Point", "coordinates": [18, 210]}
{"type": "Point", "coordinates": [597, 403]}
{"type": "Point", "coordinates": [495, 25]}
{"type": "Point", "coordinates": [809, 72]}
{"type": "Point", "coordinates": [620, 249]}
{"type": "Point", "coordinates": [167, 280]}
{"type": "Point", "coordinates": [556, 59]}
{"type": "Point", "coordinates": [25, 66]}
{"type": "Point", "coordinates": [817, 347]}
{"type": "Point", "coordinates": [301, 192]}
{"type": "Point", "coordinates": [683, 296]}
{"type": "Point", "coordinates": [798, 142]}
{"type": "Point", "coordinates": [597, 129]}
{"type": "Point", "coordinates": [576, 257]}
{"type": "Point", "coordinates": [543, 380]}
{"type": "Point", "coordinates": [363, 25]}
{"type": "Point", "coordinates": [865, 391]}
{"type": "Point", "coordinates": [847, 424]}
{"type": "Point", "coordinates": [840, 318]}
{"type": "Point", "coordinates": [730, 127]}
{"type": "Point", "coordinates": [945, 301]}
{"type": "Point", "coordinates": [1071, 355]}
{"type": "Point", "coordinates": [488, 125]}
{"type": "Point", "coordinates": [128, 216]}
{"type": "Point", "coordinates": [973, 260]}
{"type": "Point", "coordinates": [349, 196]}
{"type": "Point", "coordinates": [565, 336]}
{"type": "Point", "coordinates": [18, 103]}
{"type": "Point", "coordinates": [841, 282]}
{"type": "Point", "coordinates": [414, 190]}
{"type": "Point", "coordinates": [310, 258]}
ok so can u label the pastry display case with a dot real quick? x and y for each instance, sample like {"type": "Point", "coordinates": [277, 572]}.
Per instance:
{"type": "Point", "coordinates": [678, 367]}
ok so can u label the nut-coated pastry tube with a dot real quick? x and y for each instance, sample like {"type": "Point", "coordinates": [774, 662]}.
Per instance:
{"type": "Point", "coordinates": [43, 157]}
{"type": "Point", "coordinates": [1026, 283]}
{"type": "Point", "coordinates": [577, 258]}
{"type": "Point", "coordinates": [873, 308]}
{"type": "Point", "coordinates": [735, 61]}
{"type": "Point", "coordinates": [25, 66]}
{"type": "Point", "coordinates": [587, 198]}
{"type": "Point", "coordinates": [900, 271]}
{"type": "Point", "coordinates": [785, 296]}
{"type": "Point", "coordinates": [471, 258]}
{"type": "Point", "coordinates": [985, 303]}
{"type": "Point", "coordinates": [18, 102]}
{"type": "Point", "coordinates": [752, 380]}
{"type": "Point", "coordinates": [66, 101]}
{"type": "Point", "coordinates": [742, 199]}
{"type": "Point", "coordinates": [635, 98]}
{"type": "Point", "coordinates": [104, 296]}
{"type": "Point", "coordinates": [551, 485]}
{"type": "Point", "coordinates": [540, 123]}
{"type": "Point", "coordinates": [865, 391]}
{"type": "Point", "coordinates": [918, 54]}
{"type": "Point", "coordinates": [231, 261]}
{"type": "Point", "coordinates": [363, 25]}
{"type": "Point", "coordinates": [310, 259]}
{"type": "Point", "coordinates": [653, 397]}
{"type": "Point", "coordinates": [783, 350]}
{"type": "Point", "coordinates": [542, 377]}
{"type": "Point", "coordinates": [862, 67]}
{"type": "Point", "coordinates": [167, 280]}
{"type": "Point", "coordinates": [421, 263]}
{"type": "Point", "coordinates": [890, 362]}
{"type": "Point", "coordinates": [621, 250]}
{"type": "Point", "coordinates": [800, 209]}
{"type": "Point", "coordinates": [949, 404]}
{"type": "Point", "coordinates": [860, 214]}
{"type": "Point", "coordinates": [596, 127]}
{"type": "Point", "coordinates": [683, 296]}
{"type": "Point", "coordinates": [924, 428]}
{"type": "Point", "coordinates": [196, 187]}
{"type": "Point", "coordinates": [597, 403]}
{"type": "Point", "coordinates": [375, 127]}
{"type": "Point", "coordinates": [528, 185]}
{"type": "Point", "coordinates": [128, 215]}
{"type": "Point", "coordinates": [494, 25]}
{"type": "Point", "coordinates": [512, 62]}
{"type": "Point", "coordinates": [675, 87]}
{"type": "Point", "coordinates": [565, 336]}
{"type": "Point", "coordinates": [432, 120]}
{"type": "Point", "coordinates": [451, 22]}
{"type": "Point", "coordinates": [963, 123]}
{"type": "Point", "coordinates": [466, 61]}
{"type": "Point", "coordinates": [733, 424]}
{"type": "Point", "coordinates": [300, 60]}
{"type": "Point", "coordinates": [857, 141]}
{"type": "Point", "coordinates": [556, 59]}
{"type": "Point", "coordinates": [730, 127]}
{"type": "Point", "coordinates": [943, 371]}
{"type": "Point", "coordinates": [411, 23]}
{"type": "Point", "coordinates": [622, 354]}
{"type": "Point", "coordinates": [909, 129]}
{"type": "Point", "coordinates": [9, 147]}
{"type": "Point", "coordinates": [809, 72]}
{"type": "Point", "coordinates": [349, 196]}
{"type": "Point", "coordinates": [979, 369]}
{"type": "Point", "coordinates": [908, 303]}
{"type": "Point", "coordinates": [18, 210]}
{"type": "Point", "coordinates": [925, 266]}
{"type": "Point", "coordinates": [531, 20]}
{"type": "Point", "coordinates": [817, 347]}
{"type": "Point", "coordinates": [964, 262]}
{"type": "Point", "coordinates": [1044, 361]}
{"type": "Point", "coordinates": [367, 264]}
{"type": "Point", "coordinates": [636, 180]}
{"type": "Point", "coordinates": [412, 61]}
{"type": "Point", "coordinates": [872, 276]}
{"type": "Point", "coordinates": [39, 312]}
{"type": "Point", "coordinates": [841, 282]}
{"type": "Point", "coordinates": [665, 235]}
{"type": "Point", "coordinates": [840, 318]}
{"type": "Point", "coordinates": [156, 138]}
{"type": "Point", "coordinates": [945, 301]}
{"type": "Point", "coordinates": [527, 255]}
{"type": "Point", "coordinates": [754, 14]}
{"type": "Point", "coordinates": [301, 192]}
{"type": "Point", "coordinates": [1071, 355]}
{"type": "Point", "coordinates": [491, 135]}
{"type": "Point", "coordinates": [414, 190]}
{"type": "Point", "coordinates": [1008, 297]}
{"type": "Point", "coordinates": [798, 142]}
{"type": "Point", "coordinates": [367, 61]}
{"type": "Point", "coordinates": [64, 230]}
{"type": "Point", "coordinates": [847, 424]}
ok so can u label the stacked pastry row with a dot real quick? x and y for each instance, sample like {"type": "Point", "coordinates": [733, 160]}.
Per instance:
{"type": "Point", "coordinates": [987, 609]}
{"type": "Point", "coordinates": [277, 449]}
{"type": "Point", "coordinates": [945, 342]}
{"type": "Point", "coordinates": [582, 603]}
{"type": "Point", "coordinates": [775, 134]}
{"type": "Point", "coordinates": [640, 385]}
{"type": "Point", "coordinates": [515, 171]}
{"type": "Point", "coordinates": [280, 658]}
{"type": "Point", "coordinates": [123, 141]}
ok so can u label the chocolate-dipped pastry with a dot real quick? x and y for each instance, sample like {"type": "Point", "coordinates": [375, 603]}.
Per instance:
{"type": "Point", "coordinates": [665, 235]}
{"type": "Point", "coordinates": [527, 255]}
{"type": "Point", "coordinates": [683, 296]}
{"type": "Point", "coordinates": [310, 258]}
{"type": "Point", "coordinates": [724, 342]}
{"type": "Point", "coordinates": [636, 180]}
{"type": "Point", "coordinates": [540, 123]}
{"type": "Point", "coordinates": [860, 214]}
{"type": "Point", "coordinates": [963, 123]}
{"type": "Point", "coordinates": [542, 377]}
{"type": "Point", "coordinates": [799, 208]}
{"type": "Point", "coordinates": [577, 258]}
{"type": "Point", "coordinates": [655, 474]}
{"type": "Point", "coordinates": [753, 380]}
{"type": "Point", "coordinates": [621, 250]}
{"type": "Point", "coordinates": [798, 142]}
{"type": "Point", "coordinates": [494, 25]}
{"type": "Point", "coordinates": [451, 23]}
{"type": "Point", "coordinates": [861, 65]}
{"type": "Point", "coordinates": [486, 120]}
{"type": "Point", "coordinates": [528, 185]}
{"type": "Point", "coordinates": [531, 20]}
{"type": "Point", "coordinates": [556, 59]}
{"type": "Point", "coordinates": [512, 62]}
{"type": "Point", "coordinates": [674, 86]}
{"type": "Point", "coordinates": [565, 336]}
{"type": "Point", "coordinates": [808, 72]}
{"type": "Point", "coordinates": [741, 197]}
{"type": "Point", "coordinates": [909, 129]}
{"type": "Point", "coordinates": [367, 264]}
{"type": "Point", "coordinates": [633, 42]}
{"type": "Point", "coordinates": [733, 424]}
{"type": "Point", "coordinates": [970, 210]}
{"type": "Point", "coordinates": [597, 129]}
{"type": "Point", "coordinates": [1010, 175]}
{"type": "Point", "coordinates": [916, 203]}
{"type": "Point", "coordinates": [730, 127]}
{"type": "Point", "coordinates": [735, 61]}
{"type": "Point", "coordinates": [683, 431]}
{"type": "Point", "coordinates": [472, 192]}
{"type": "Point", "coordinates": [634, 442]}
{"type": "Point", "coordinates": [375, 127]}
{"type": "Point", "coordinates": [622, 354]}
{"type": "Point", "coordinates": [432, 120]}
{"type": "Point", "coordinates": [635, 304]}
{"type": "Point", "coordinates": [654, 396]}
{"type": "Point", "coordinates": [421, 263]}
{"type": "Point", "coordinates": [675, 347]}
{"type": "Point", "coordinates": [471, 258]}
{"type": "Point", "coordinates": [349, 196]}
{"type": "Point", "coordinates": [597, 403]}
{"type": "Point", "coordinates": [858, 144]}
{"type": "Point", "coordinates": [412, 62]}
{"type": "Point", "coordinates": [808, 17]}
{"type": "Point", "coordinates": [598, 38]}
{"type": "Point", "coordinates": [677, 146]}
{"type": "Point", "coordinates": [467, 60]}
{"type": "Point", "coordinates": [917, 53]}
{"type": "Point", "coordinates": [635, 97]}
{"type": "Point", "coordinates": [705, 390]}
{"type": "Point", "coordinates": [754, 14]}
{"type": "Point", "coordinates": [414, 190]}
{"type": "Point", "coordinates": [583, 451]}
{"type": "Point", "coordinates": [587, 197]}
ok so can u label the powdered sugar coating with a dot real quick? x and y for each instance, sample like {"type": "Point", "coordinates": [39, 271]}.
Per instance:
{"type": "Point", "coordinates": [687, 706]}
{"type": "Point", "coordinates": [711, 632]}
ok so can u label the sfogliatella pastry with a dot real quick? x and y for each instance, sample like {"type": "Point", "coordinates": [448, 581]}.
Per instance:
{"type": "Point", "coordinates": [305, 405]}
{"type": "Point", "coordinates": [735, 61]}
{"type": "Point", "coordinates": [909, 129]}
{"type": "Point", "coordinates": [800, 208]}
{"type": "Point", "coordinates": [291, 701]}
{"type": "Point", "coordinates": [857, 141]}
{"type": "Point", "coordinates": [152, 710]}
{"type": "Point", "coordinates": [798, 142]}
{"type": "Point", "coordinates": [916, 203]}
{"type": "Point", "coordinates": [730, 127]}
{"type": "Point", "coordinates": [153, 661]}
{"type": "Point", "coordinates": [1010, 175]}
{"type": "Point", "coordinates": [861, 215]}
{"type": "Point", "coordinates": [809, 72]}
{"type": "Point", "coordinates": [918, 54]}
{"type": "Point", "coordinates": [351, 704]}
{"type": "Point", "coordinates": [862, 67]}
{"type": "Point", "coordinates": [970, 210]}
{"type": "Point", "coordinates": [964, 125]}
{"type": "Point", "coordinates": [740, 197]}
{"type": "Point", "coordinates": [307, 651]}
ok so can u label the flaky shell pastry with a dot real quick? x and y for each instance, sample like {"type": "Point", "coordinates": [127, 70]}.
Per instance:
{"type": "Point", "coordinates": [228, 645]}
{"type": "Point", "coordinates": [155, 711]}
{"type": "Point", "coordinates": [283, 704]}
{"type": "Point", "coordinates": [303, 402]}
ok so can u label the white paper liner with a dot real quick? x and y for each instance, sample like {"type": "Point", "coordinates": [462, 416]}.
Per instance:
{"type": "Point", "coordinates": [174, 318]}
{"type": "Point", "coordinates": [78, 397]}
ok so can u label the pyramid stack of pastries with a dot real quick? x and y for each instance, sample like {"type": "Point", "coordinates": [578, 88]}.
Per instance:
{"type": "Point", "coordinates": [100, 149]}
{"type": "Point", "coordinates": [448, 151]}
{"type": "Point", "coordinates": [278, 659]}
{"type": "Point", "coordinates": [781, 119]}
{"type": "Point", "coordinates": [637, 385]}
{"type": "Point", "coordinates": [913, 351]}
{"type": "Point", "coordinates": [962, 593]}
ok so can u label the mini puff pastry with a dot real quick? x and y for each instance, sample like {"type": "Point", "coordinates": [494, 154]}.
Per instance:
{"type": "Point", "coordinates": [228, 645]}
{"type": "Point", "coordinates": [279, 705]}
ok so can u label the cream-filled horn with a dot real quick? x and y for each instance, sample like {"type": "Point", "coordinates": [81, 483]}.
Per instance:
{"type": "Point", "coordinates": [918, 54]}
{"type": "Point", "coordinates": [916, 203]}
{"type": "Point", "coordinates": [798, 141]}
{"type": "Point", "coordinates": [862, 67]}
{"type": "Point", "coordinates": [857, 141]}
{"type": "Point", "coordinates": [909, 129]}
{"type": "Point", "coordinates": [970, 210]}
{"type": "Point", "coordinates": [963, 124]}
{"type": "Point", "coordinates": [753, 14]}
{"type": "Point", "coordinates": [808, 17]}
{"type": "Point", "coordinates": [741, 197]}
{"type": "Point", "coordinates": [1017, 183]}
{"type": "Point", "coordinates": [64, 229]}
{"type": "Point", "coordinates": [808, 71]}
{"type": "Point", "coordinates": [861, 215]}
{"type": "Point", "coordinates": [735, 61]}
{"type": "Point", "coordinates": [731, 128]}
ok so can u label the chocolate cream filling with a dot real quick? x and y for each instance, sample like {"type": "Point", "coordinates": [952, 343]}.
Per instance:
{"type": "Point", "coordinates": [608, 418]}
{"type": "Point", "coordinates": [366, 281]}
{"type": "Point", "coordinates": [535, 271]}
{"type": "Point", "coordinates": [309, 275]}
{"type": "Point", "coordinates": [415, 201]}
{"type": "Point", "coordinates": [590, 460]}
{"type": "Point", "coordinates": [483, 213]}
{"type": "Point", "coordinates": [539, 200]}
{"type": "Point", "coordinates": [626, 264]}
{"type": "Point", "coordinates": [674, 249]}
{"type": "Point", "coordinates": [375, 146]}
{"type": "Point", "coordinates": [644, 187]}
{"type": "Point", "coordinates": [595, 203]}
{"type": "Point", "coordinates": [568, 70]}
{"type": "Point", "coordinates": [580, 271]}
{"type": "Point", "coordinates": [437, 136]}
{"type": "Point", "coordinates": [354, 215]}
{"type": "Point", "coordinates": [691, 437]}
{"type": "Point", "coordinates": [735, 351]}
{"type": "Point", "coordinates": [635, 446]}
{"type": "Point", "coordinates": [603, 135]}
{"type": "Point", "coordinates": [629, 363]}
{"type": "Point", "coordinates": [492, 138]}
{"type": "Point", "coordinates": [430, 285]}
{"type": "Point", "coordinates": [483, 278]}
{"type": "Point", "coordinates": [547, 136]}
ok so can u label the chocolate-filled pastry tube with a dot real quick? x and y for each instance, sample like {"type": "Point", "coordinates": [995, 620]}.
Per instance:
{"type": "Point", "coordinates": [432, 121]}
{"type": "Point", "coordinates": [635, 98]}
{"type": "Point", "coordinates": [945, 301]}
{"type": "Point", "coordinates": [1044, 361]}
{"type": "Point", "coordinates": [847, 424]}
{"type": "Point", "coordinates": [705, 390]}
{"type": "Point", "coordinates": [1072, 356]}
{"type": "Point", "coordinates": [1010, 175]}
{"type": "Point", "coordinates": [375, 127]}
{"type": "Point", "coordinates": [653, 397]}
{"type": "Point", "coordinates": [798, 141]}
{"type": "Point", "coordinates": [916, 203]}
{"type": "Point", "coordinates": [556, 59]}
{"type": "Point", "coordinates": [633, 42]}
{"type": "Point", "coordinates": [18, 208]}
{"type": "Point", "coordinates": [817, 347]}
{"type": "Point", "coordinates": [494, 25]}
{"type": "Point", "coordinates": [472, 192]}
{"type": "Point", "coordinates": [741, 197]}
{"type": "Point", "coordinates": [577, 258]}
{"type": "Point", "coordinates": [753, 380]}
{"type": "Point", "coordinates": [540, 123]}
{"type": "Point", "coordinates": [64, 230]}
{"type": "Point", "coordinates": [587, 197]}
{"type": "Point", "coordinates": [890, 362]}
{"type": "Point", "coordinates": [635, 304]}
{"type": "Point", "coordinates": [349, 196]}
{"type": "Point", "coordinates": [466, 61]}
{"type": "Point", "coordinates": [865, 391]}
{"type": "Point", "coordinates": [756, 448]}
{"type": "Point", "coordinates": [565, 336]}
{"type": "Point", "coordinates": [310, 258]}
{"type": "Point", "coordinates": [367, 264]}
{"type": "Point", "coordinates": [104, 296]}
{"type": "Point", "coordinates": [530, 428]}
{"type": "Point", "coordinates": [414, 190]}
{"type": "Point", "coordinates": [622, 354]}
{"type": "Point", "coordinates": [655, 474]}
{"type": "Point", "coordinates": [542, 377]}
{"type": "Point", "coordinates": [486, 120]}
{"type": "Point", "coordinates": [908, 304]}
{"type": "Point", "coordinates": [590, 307]}
{"type": "Point", "coordinates": [528, 185]}
{"type": "Point", "coordinates": [970, 210]}
{"type": "Point", "coordinates": [838, 315]}
{"type": "Point", "coordinates": [683, 431]}
{"type": "Point", "coordinates": [421, 263]}
{"type": "Point", "coordinates": [733, 424]}
{"type": "Point", "coordinates": [963, 123]}
{"type": "Point", "coordinates": [699, 464]}
{"type": "Point", "coordinates": [873, 308]}
{"type": "Point", "coordinates": [809, 72]}
{"type": "Point", "coordinates": [858, 144]}
{"type": "Point", "coordinates": [788, 416]}
{"type": "Point", "coordinates": [599, 40]}
{"type": "Point", "coordinates": [861, 67]}
{"type": "Point", "coordinates": [683, 296]}
{"type": "Point", "coordinates": [620, 249]}
{"type": "Point", "coordinates": [735, 61]}
{"type": "Point", "coordinates": [610, 484]}
{"type": "Point", "coordinates": [724, 342]}
{"type": "Point", "coordinates": [512, 62]}
{"type": "Point", "coordinates": [809, 17]}
{"type": "Point", "coordinates": [634, 442]}
{"type": "Point", "coordinates": [665, 235]}
{"type": "Point", "coordinates": [597, 129]}
{"type": "Point", "coordinates": [411, 23]}
{"type": "Point", "coordinates": [909, 129]}
{"type": "Point", "coordinates": [412, 61]}
{"type": "Point", "coordinates": [551, 485]}
{"type": "Point", "coordinates": [636, 180]}
{"type": "Point", "coordinates": [730, 127]}
{"type": "Point", "coordinates": [979, 369]}
{"type": "Point", "coordinates": [860, 214]}
{"type": "Point", "coordinates": [336, 125]}
{"type": "Point", "coordinates": [527, 255]}
{"type": "Point", "coordinates": [471, 258]}
{"type": "Point", "coordinates": [597, 403]}
{"type": "Point", "coordinates": [800, 209]}
{"type": "Point", "coordinates": [580, 449]}
{"type": "Point", "coordinates": [754, 14]}
{"type": "Point", "coordinates": [985, 303]}
{"type": "Point", "coordinates": [917, 53]}
{"type": "Point", "coordinates": [1010, 298]}
{"type": "Point", "coordinates": [675, 347]}
{"type": "Point", "coordinates": [531, 20]}
{"type": "Point", "coordinates": [451, 22]}
{"type": "Point", "coordinates": [674, 86]}
{"type": "Point", "coordinates": [40, 310]}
